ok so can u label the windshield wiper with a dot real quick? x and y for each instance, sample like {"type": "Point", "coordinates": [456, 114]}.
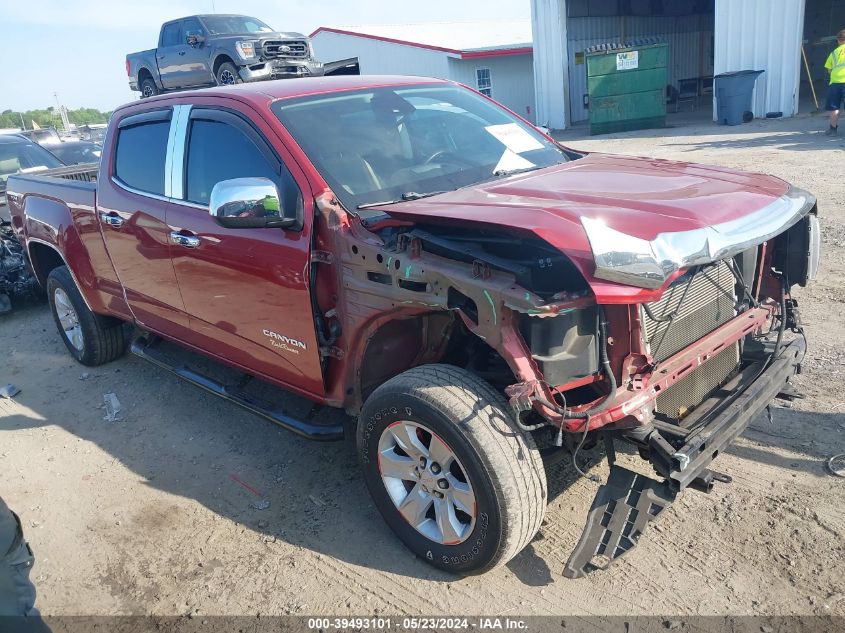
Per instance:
{"type": "Point", "coordinates": [405, 197]}
{"type": "Point", "coordinates": [501, 173]}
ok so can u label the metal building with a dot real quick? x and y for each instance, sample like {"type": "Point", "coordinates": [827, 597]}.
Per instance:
{"type": "Point", "coordinates": [495, 58]}
{"type": "Point", "coordinates": [705, 38]}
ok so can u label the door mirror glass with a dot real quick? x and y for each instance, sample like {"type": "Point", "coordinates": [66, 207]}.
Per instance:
{"type": "Point", "coordinates": [248, 203]}
{"type": "Point", "coordinates": [194, 38]}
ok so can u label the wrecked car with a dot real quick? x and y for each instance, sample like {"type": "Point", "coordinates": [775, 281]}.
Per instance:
{"type": "Point", "coordinates": [17, 154]}
{"type": "Point", "coordinates": [466, 288]}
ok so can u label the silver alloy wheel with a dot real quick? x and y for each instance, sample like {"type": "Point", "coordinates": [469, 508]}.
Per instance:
{"type": "Point", "coordinates": [227, 78]}
{"type": "Point", "coordinates": [68, 319]}
{"type": "Point", "coordinates": [147, 91]}
{"type": "Point", "coordinates": [426, 482]}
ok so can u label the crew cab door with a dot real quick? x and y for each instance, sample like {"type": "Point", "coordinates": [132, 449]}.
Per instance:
{"type": "Point", "coordinates": [246, 291]}
{"type": "Point", "coordinates": [132, 202]}
{"type": "Point", "coordinates": [170, 55]}
{"type": "Point", "coordinates": [195, 67]}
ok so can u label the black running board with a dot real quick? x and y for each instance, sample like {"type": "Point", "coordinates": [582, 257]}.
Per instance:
{"type": "Point", "coordinates": [142, 348]}
{"type": "Point", "coordinates": [620, 512]}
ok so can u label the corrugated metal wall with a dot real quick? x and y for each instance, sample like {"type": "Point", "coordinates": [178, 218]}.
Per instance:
{"type": "Point", "coordinates": [690, 40]}
{"type": "Point", "coordinates": [512, 78]}
{"type": "Point", "coordinates": [548, 27]}
{"type": "Point", "coordinates": [381, 58]}
{"type": "Point", "coordinates": [763, 35]}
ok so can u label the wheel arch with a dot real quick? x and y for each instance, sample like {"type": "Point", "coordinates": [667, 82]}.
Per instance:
{"type": "Point", "coordinates": [146, 73]}
{"type": "Point", "coordinates": [401, 342]}
{"type": "Point", "coordinates": [220, 59]}
{"type": "Point", "coordinates": [53, 235]}
{"type": "Point", "coordinates": [44, 258]}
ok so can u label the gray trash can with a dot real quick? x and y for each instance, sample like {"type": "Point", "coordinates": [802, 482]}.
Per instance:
{"type": "Point", "coordinates": [733, 95]}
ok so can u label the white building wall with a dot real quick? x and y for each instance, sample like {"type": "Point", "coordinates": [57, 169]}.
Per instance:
{"type": "Point", "coordinates": [762, 35]}
{"type": "Point", "coordinates": [376, 57]}
{"type": "Point", "coordinates": [512, 78]}
{"type": "Point", "coordinates": [551, 72]}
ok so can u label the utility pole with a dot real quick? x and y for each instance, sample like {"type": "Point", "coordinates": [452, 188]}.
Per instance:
{"type": "Point", "coordinates": [63, 114]}
{"type": "Point", "coordinates": [23, 125]}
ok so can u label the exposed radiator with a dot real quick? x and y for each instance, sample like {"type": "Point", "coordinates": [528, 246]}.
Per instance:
{"type": "Point", "coordinates": [679, 399]}
{"type": "Point", "coordinates": [702, 302]}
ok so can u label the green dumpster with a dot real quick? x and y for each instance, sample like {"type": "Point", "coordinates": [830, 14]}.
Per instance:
{"type": "Point", "coordinates": [627, 87]}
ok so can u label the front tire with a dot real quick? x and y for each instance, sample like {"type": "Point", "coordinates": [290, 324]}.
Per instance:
{"type": "Point", "coordinates": [90, 338]}
{"type": "Point", "coordinates": [227, 75]}
{"type": "Point", "coordinates": [454, 477]}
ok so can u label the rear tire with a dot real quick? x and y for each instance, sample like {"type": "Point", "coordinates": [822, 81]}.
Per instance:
{"type": "Point", "coordinates": [227, 75]}
{"type": "Point", "coordinates": [149, 88]}
{"type": "Point", "coordinates": [495, 483]}
{"type": "Point", "coordinates": [90, 338]}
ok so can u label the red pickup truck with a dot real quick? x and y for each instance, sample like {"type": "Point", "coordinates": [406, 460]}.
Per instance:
{"type": "Point", "coordinates": [472, 293]}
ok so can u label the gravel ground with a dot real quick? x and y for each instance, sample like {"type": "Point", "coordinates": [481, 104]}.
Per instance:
{"type": "Point", "coordinates": [157, 513]}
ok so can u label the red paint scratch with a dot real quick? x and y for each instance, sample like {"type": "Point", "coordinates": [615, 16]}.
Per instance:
{"type": "Point", "coordinates": [240, 481]}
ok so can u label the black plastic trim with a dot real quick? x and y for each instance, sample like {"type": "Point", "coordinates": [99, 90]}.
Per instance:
{"type": "Point", "coordinates": [151, 116]}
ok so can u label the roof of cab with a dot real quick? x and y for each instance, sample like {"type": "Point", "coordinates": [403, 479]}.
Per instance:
{"type": "Point", "coordinates": [12, 138]}
{"type": "Point", "coordinates": [265, 91]}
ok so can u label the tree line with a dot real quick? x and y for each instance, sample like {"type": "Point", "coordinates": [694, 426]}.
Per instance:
{"type": "Point", "coordinates": [50, 117]}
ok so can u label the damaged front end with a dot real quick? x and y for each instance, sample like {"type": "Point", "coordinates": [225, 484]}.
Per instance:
{"type": "Point", "coordinates": [679, 377]}
{"type": "Point", "coordinates": [16, 278]}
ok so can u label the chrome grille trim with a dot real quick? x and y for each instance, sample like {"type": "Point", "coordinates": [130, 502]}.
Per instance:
{"type": "Point", "coordinates": [298, 48]}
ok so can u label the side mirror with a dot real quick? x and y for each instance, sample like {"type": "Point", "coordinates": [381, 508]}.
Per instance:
{"type": "Point", "coordinates": [194, 38]}
{"type": "Point", "coordinates": [248, 203]}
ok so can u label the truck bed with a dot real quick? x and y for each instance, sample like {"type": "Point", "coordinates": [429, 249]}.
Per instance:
{"type": "Point", "coordinates": [75, 184]}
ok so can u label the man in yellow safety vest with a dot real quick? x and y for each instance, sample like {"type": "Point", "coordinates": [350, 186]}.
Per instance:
{"type": "Point", "coordinates": [835, 66]}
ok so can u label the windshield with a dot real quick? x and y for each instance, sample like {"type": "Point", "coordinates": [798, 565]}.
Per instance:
{"type": "Point", "coordinates": [234, 25]}
{"type": "Point", "coordinates": [42, 137]}
{"type": "Point", "coordinates": [23, 156]}
{"type": "Point", "coordinates": [77, 153]}
{"type": "Point", "coordinates": [386, 144]}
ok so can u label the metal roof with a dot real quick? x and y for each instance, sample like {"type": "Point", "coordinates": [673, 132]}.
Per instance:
{"type": "Point", "coordinates": [463, 39]}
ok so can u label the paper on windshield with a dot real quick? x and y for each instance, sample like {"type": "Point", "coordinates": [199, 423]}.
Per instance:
{"type": "Point", "coordinates": [511, 161]}
{"type": "Point", "coordinates": [514, 137]}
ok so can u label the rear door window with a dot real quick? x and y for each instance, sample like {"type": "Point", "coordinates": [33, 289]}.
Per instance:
{"type": "Point", "coordinates": [140, 156]}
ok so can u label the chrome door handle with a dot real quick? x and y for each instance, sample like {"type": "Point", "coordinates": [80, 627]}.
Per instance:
{"type": "Point", "coordinates": [188, 241]}
{"type": "Point", "coordinates": [112, 219]}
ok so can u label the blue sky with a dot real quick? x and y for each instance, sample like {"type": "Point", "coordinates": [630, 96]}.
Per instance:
{"type": "Point", "coordinates": [77, 48]}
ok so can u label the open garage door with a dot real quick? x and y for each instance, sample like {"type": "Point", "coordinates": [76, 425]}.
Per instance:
{"type": "Point", "coordinates": [685, 26]}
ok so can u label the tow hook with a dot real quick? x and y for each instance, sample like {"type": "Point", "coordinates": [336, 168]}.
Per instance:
{"type": "Point", "coordinates": [704, 482]}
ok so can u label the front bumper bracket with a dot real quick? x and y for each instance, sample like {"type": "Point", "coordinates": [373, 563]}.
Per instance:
{"type": "Point", "coordinates": [625, 505]}
{"type": "Point", "coordinates": [620, 512]}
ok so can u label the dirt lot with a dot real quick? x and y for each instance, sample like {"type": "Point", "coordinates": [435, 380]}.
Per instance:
{"type": "Point", "coordinates": [154, 513]}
